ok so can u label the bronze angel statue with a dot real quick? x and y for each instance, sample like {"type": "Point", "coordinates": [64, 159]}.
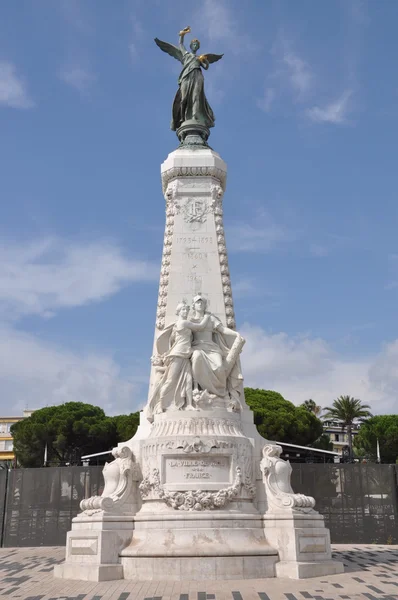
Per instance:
{"type": "Point", "coordinates": [190, 102]}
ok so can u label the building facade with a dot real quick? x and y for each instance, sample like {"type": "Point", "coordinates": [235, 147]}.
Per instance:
{"type": "Point", "coordinates": [6, 442]}
{"type": "Point", "coordinates": [338, 435]}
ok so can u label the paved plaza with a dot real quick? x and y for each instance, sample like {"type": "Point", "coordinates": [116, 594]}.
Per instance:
{"type": "Point", "coordinates": [371, 573]}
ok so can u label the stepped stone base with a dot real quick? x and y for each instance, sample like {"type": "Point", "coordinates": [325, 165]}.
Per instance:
{"type": "Point", "coordinates": [305, 570]}
{"type": "Point", "coordinates": [215, 568]}
{"type": "Point", "coordinates": [86, 572]}
{"type": "Point", "coordinates": [198, 547]}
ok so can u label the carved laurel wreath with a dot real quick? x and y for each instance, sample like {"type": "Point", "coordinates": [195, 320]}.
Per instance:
{"type": "Point", "coordinates": [191, 500]}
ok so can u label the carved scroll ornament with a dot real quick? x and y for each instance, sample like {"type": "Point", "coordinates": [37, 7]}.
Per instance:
{"type": "Point", "coordinates": [276, 477]}
{"type": "Point", "coordinates": [119, 476]}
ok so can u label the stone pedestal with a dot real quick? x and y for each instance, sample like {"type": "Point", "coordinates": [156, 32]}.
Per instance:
{"type": "Point", "coordinates": [303, 544]}
{"type": "Point", "coordinates": [93, 547]}
{"type": "Point", "coordinates": [198, 519]}
{"type": "Point", "coordinates": [105, 525]}
{"type": "Point", "coordinates": [195, 547]}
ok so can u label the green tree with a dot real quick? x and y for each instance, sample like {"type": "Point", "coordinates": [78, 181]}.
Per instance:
{"type": "Point", "coordinates": [383, 428]}
{"type": "Point", "coordinates": [312, 406]}
{"type": "Point", "coordinates": [69, 430]}
{"type": "Point", "coordinates": [126, 425]}
{"type": "Point", "coordinates": [323, 442]}
{"type": "Point", "coordinates": [347, 412]}
{"type": "Point", "coordinates": [280, 420]}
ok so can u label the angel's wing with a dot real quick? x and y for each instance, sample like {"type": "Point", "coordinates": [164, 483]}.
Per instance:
{"type": "Point", "coordinates": [170, 49]}
{"type": "Point", "coordinates": [212, 58]}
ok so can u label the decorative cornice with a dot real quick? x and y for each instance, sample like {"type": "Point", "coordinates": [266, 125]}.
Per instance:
{"type": "Point", "coordinates": [175, 172]}
{"type": "Point", "coordinates": [196, 427]}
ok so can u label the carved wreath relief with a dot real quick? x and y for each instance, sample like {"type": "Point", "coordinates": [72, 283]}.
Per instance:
{"type": "Point", "coordinates": [190, 500]}
{"type": "Point", "coordinates": [203, 461]}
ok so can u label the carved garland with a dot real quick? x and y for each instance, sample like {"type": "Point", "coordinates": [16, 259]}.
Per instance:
{"type": "Point", "coordinates": [216, 207]}
{"type": "Point", "coordinates": [166, 256]}
{"type": "Point", "coordinates": [192, 500]}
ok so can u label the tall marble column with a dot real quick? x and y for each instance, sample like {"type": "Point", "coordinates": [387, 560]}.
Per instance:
{"type": "Point", "coordinates": [194, 254]}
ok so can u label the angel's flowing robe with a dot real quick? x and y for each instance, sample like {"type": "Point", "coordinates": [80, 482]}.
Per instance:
{"type": "Point", "coordinates": [190, 102]}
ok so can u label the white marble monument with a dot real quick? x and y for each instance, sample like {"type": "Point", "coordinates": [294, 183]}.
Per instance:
{"type": "Point", "coordinates": [197, 493]}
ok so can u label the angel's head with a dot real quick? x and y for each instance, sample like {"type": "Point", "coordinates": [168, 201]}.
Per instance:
{"type": "Point", "coordinates": [194, 45]}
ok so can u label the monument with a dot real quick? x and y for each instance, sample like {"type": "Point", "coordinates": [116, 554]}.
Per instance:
{"type": "Point", "coordinates": [197, 493]}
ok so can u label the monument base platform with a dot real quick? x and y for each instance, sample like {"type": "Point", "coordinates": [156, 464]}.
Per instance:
{"type": "Point", "coordinates": [87, 572]}
{"type": "Point", "coordinates": [198, 547]}
{"type": "Point", "coordinates": [305, 570]}
{"type": "Point", "coordinates": [216, 568]}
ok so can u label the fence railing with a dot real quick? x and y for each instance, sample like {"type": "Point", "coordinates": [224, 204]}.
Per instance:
{"type": "Point", "coordinates": [359, 501]}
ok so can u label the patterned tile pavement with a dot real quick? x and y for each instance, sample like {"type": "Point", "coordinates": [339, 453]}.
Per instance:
{"type": "Point", "coordinates": [371, 573]}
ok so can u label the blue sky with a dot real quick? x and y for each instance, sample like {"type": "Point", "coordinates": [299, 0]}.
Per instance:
{"type": "Point", "coordinates": [306, 105]}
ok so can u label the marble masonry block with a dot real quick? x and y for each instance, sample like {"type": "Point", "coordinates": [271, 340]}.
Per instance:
{"type": "Point", "coordinates": [199, 546]}
{"type": "Point", "coordinates": [86, 572]}
{"type": "Point", "coordinates": [203, 568]}
{"type": "Point", "coordinates": [93, 554]}
{"type": "Point", "coordinates": [305, 570]}
{"type": "Point", "coordinates": [302, 542]}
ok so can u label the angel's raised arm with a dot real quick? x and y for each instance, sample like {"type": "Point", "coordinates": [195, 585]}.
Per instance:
{"type": "Point", "coordinates": [181, 44]}
{"type": "Point", "coordinates": [183, 33]}
{"type": "Point", "coordinates": [170, 49]}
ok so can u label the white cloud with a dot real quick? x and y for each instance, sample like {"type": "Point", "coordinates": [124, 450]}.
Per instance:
{"type": "Point", "coordinates": [78, 77]}
{"type": "Point", "coordinates": [266, 102]}
{"type": "Point", "coordinates": [13, 91]}
{"type": "Point", "coordinates": [244, 287]}
{"type": "Point", "coordinates": [262, 237]}
{"type": "Point", "coordinates": [299, 73]}
{"type": "Point", "coordinates": [36, 373]}
{"type": "Point", "coordinates": [76, 15]}
{"type": "Point", "coordinates": [319, 250]}
{"type": "Point", "coordinates": [334, 112]}
{"type": "Point", "coordinates": [214, 93]}
{"type": "Point", "coordinates": [290, 79]}
{"type": "Point", "coordinates": [138, 34]}
{"type": "Point", "coordinates": [392, 284]}
{"type": "Point", "coordinates": [303, 367]}
{"type": "Point", "coordinates": [48, 274]}
{"type": "Point", "coordinates": [216, 20]}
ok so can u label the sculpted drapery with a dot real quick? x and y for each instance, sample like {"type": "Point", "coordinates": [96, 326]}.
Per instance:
{"type": "Point", "coordinates": [195, 357]}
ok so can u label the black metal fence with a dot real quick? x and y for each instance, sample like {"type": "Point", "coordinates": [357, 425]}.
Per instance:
{"type": "Point", "coordinates": [39, 504]}
{"type": "Point", "coordinates": [359, 501]}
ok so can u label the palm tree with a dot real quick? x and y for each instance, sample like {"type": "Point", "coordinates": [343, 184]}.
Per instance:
{"type": "Point", "coordinates": [312, 406]}
{"type": "Point", "coordinates": [347, 411]}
